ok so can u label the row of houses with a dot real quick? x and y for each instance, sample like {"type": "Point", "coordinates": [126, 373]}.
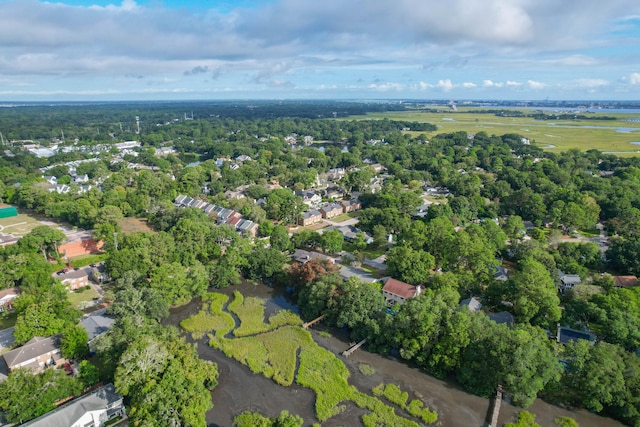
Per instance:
{"type": "Point", "coordinates": [328, 211]}
{"type": "Point", "coordinates": [222, 215]}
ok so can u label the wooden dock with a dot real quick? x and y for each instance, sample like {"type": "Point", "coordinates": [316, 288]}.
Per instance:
{"type": "Point", "coordinates": [353, 348]}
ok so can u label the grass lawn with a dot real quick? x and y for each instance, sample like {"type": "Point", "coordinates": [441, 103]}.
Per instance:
{"type": "Point", "coordinates": [590, 233]}
{"type": "Point", "coordinates": [84, 260]}
{"type": "Point", "coordinates": [81, 299]}
{"type": "Point", "coordinates": [551, 135]}
{"type": "Point", "coordinates": [276, 346]}
{"type": "Point", "coordinates": [8, 320]}
{"type": "Point", "coordinates": [344, 217]}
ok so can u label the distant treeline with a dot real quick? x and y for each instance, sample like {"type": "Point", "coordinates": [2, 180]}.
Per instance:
{"type": "Point", "coordinates": [539, 115]}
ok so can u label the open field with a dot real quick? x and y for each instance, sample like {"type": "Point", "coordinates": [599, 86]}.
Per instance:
{"type": "Point", "coordinates": [131, 225]}
{"type": "Point", "coordinates": [614, 136]}
{"type": "Point", "coordinates": [19, 225]}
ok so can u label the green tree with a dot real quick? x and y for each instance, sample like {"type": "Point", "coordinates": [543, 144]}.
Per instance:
{"type": "Point", "coordinates": [595, 376]}
{"type": "Point", "coordinates": [24, 396]}
{"type": "Point", "coordinates": [88, 373]}
{"type": "Point", "coordinates": [280, 240]}
{"type": "Point", "coordinates": [533, 294]}
{"type": "Point", "coordinates": [166, 382]}
{"type": "Point", "coordinates": [331, 241]}
{"type": "Point", "coordinates": [38, 320]}
{"type": "Point", "coordinates": [44, 239]}
{"type": "Point", "coordinates": [520, 359]}
{"type": "Point", "coordinates": [409, 265]}
{"type": "Point", "coordinates": [74, 342]}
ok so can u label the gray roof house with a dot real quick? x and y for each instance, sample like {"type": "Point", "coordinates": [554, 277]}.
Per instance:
{"type": "Point", "coordinates": [96, 324]}
{"type": "Point", "coordinates": [473, 304]}
{"type": "Point", "coordinates": [36, 354]}
{"type": "Point", "coordinates": [568, 281]}
{"type": "Point", "coordinates": [92, 409]}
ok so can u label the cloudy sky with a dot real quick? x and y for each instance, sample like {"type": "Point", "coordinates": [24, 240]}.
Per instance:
{"type": "Point", "coordinates": [319, 49]}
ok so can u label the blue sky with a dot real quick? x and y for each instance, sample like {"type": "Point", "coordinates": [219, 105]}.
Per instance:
{"type": "Point", "coordinates": [319, 49]}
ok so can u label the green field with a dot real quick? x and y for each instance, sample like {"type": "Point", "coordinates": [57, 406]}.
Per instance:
{"type": "Point", "coordinates": [551, 135]}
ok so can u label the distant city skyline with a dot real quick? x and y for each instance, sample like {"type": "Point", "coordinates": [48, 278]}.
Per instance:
{"type": "Point", "coordinates": [330, 49]}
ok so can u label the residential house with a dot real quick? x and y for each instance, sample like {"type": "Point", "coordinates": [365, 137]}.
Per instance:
{"type": "Point", "coordinates": [500, 273]}
{"type": "Point", "coordinates": [350, 233]}
{"type": "Point", "coordinates": [309, 217]}
{"type": "Point", "coordinates": [331, 210]}
{"type": "Point", "coordinates": [565, 335]}
{"type": "Point", "coordinates": [60, 189]}
{"type": "Point", "coordinates": [51, 179]}
{"type": "Point", "coordinates": [6, 298]}
{"type": "Point", "coordinates": [96, 324]}
{"type": "Point", "coordinates": [332, 192]}
{"type": "Point", "coordinates": [347, 272]}
{"type": "Point", "coordinates": [165, 151]}
{"type": "Point", "coordinates": [73, 279]}
{"type": "Point", "coordinates": [310, 198]}
{"type": "Point", "coordinates": [625, 281]}
{"type": "Point", "coordinates": [350, 205]}
{"type": "Point", "coordinates": [422, 211]}
{"type": "Point", "coordinates": [397, 292]}
{"type": "Point", "coordinates": [36, 354]}
{"type": "Point", "coordinates": [247, 228]}
{"type": "Point", "coordinates": [243, 158]}
{"type": "Point", "coordinates": [568, 281]}
{"type": "Point", "coordinates": [94, 409]}
{"type": "Point", "coordinates": [81, 179]}
{"type": "Point", "coordinates": [503, 317]}
{"type": "Point", "coordinates": [336, 174]}
{"type": "Point", "coordinates": [303, 257]}
{"type": "Point", "coordinates": [473, 304]}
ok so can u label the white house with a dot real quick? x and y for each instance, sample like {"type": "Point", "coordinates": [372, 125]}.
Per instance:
{"type": "Point", "coordinates": [93, 409]}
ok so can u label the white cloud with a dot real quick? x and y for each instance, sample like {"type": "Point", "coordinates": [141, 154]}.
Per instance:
{"type": "Point", "coordinates": [532, 84]}
{"type": "Point", "coordinates": [634, 78]}
{"type": "Point", "coordinates": [445, 85]}
{"type": "Point", "coordinates": [468, 85]}
{"type": "Point", "coordinates": [491, 83]}
{"type": "Point", "coordinates": [511, 83]}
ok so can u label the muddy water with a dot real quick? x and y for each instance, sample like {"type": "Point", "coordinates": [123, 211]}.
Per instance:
{"type": "Point", "coordinates": [239, 389]}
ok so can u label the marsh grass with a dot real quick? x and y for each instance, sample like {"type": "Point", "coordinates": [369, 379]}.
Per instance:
{"type": "Point", "coordinates": [366, 369]}
{"type": "Point", "coordinates": [211, 318]}
{"type": "Point", "coordinates": [274, 349]}
{"type": "Point", "coordinates": [551, 135]}
{"type": "Point", "coordinates": [395, 395]}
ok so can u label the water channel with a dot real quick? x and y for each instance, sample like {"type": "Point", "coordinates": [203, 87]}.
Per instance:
{"type": "Point", "coordinates": [239, 389]}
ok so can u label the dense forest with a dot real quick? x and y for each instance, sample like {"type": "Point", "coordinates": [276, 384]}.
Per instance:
{"type": "Point", "coordinates": [508, 204]}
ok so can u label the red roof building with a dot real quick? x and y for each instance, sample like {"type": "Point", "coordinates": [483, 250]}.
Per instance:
{"type": "Point", "coordinates": [397, 292]}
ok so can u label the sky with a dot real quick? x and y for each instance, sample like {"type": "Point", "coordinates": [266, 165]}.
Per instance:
{"type": "Point", "coordinates": [319, 49]}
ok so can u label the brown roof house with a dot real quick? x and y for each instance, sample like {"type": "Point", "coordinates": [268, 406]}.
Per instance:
{"type": "Point", "coordinates": [350, 205]}
{"type": "Point", "coordinates": [36, 354]}
{"type": "Point", "coordinates": [6, 298]}
{"type": "Point", "coordinates": [397, 292]}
